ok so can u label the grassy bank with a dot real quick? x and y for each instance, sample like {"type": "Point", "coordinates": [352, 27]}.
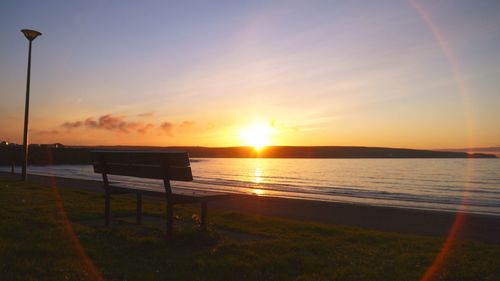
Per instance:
{"type": "Point", "coordinates": [51, 233]}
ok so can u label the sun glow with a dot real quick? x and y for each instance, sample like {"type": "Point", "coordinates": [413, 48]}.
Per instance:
{"type": "Point", "coordinates": [257, 134]}
{"type": "Point", "coordinates": [258, 191]}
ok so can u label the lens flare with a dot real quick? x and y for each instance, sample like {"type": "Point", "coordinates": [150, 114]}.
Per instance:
{"type": "Point", "coordinates": [459, 222]}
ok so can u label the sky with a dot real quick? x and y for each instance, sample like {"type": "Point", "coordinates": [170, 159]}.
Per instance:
{"type": "Point", "coordinates": [413, 74]}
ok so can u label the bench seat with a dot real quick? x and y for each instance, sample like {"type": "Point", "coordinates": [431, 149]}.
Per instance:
{"type": "Point", "coordinates": [178, 195]}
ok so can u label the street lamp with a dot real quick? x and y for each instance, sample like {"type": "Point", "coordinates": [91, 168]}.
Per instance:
{"type": "Point", "coordinates": [30, 35]}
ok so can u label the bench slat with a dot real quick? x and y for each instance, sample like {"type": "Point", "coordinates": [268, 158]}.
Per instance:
{"type": "Point", "coordinates": [169, 158]}
{"type": "Point", "coordinates": [171, 165]}
{"type": "Point", "coordinates": [179, 196]}
{"type": "Point", "coordinates": [146, 171]}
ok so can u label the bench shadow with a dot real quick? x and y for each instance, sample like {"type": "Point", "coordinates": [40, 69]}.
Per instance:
{"type": "Point", "coordinates": [154, 226]}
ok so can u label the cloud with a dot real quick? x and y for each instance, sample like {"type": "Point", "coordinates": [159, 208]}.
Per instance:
{"type": "Point", "coordinates": [71, 125]}
{"type": "Point", "coordinates": [187, 124]}
{"type": "Point", "coordinates": [91, 123]}
{"type": "Point", "coordinates": [145, 128]}
{"type": "Point", "coordinates": [120, 124]}
{"type": "Point", "coordinates": [167, 127]}
{"type": "Point", "coordinates": [44, 132]}
{"type": "Point", "coordinates": [146, 114]}
{"type": "Point", "coordinates": [211, 126]}
{"type": "Point", "coordinates": [110, 123]}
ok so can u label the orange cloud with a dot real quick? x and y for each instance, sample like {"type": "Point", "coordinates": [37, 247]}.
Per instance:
{"type": "Point", "coordinates": [110, 123]}
{"type": "Point", "coordinates": [145, 128]}
{"type": "Point", "coordinates": [44, 132]}
{"type": "Point", "coordinates": [167, 127]}
{"type": "Point", "coordinates": [146, 114]}
{"type": "Point", "coordinates": [71, 125]}
{"type": "Point", "coordinates": [187, 124]}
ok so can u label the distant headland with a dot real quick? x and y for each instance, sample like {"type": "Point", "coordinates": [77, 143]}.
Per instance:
{"type": "Point", "coordinates": [60, 154]}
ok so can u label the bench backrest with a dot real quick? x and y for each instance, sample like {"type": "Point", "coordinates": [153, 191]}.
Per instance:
{"type": "Point", "coordinates": [166, 165]}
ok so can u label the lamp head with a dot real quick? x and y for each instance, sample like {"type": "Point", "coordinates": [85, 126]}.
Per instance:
{"type": "Point", "coordinates": [30, 34]}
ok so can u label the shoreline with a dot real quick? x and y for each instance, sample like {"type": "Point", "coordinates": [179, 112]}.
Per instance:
{"type": "Point", "coordinates": [479, 227]}
{"type": "Point", "coordinates": [300, 192]}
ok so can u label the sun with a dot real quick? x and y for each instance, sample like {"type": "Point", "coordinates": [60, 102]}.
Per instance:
{"type": "Point", "coordinates": [258, 134]}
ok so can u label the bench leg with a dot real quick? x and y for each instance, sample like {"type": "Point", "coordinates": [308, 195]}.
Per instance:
{"type": "Point", "coordinates": [107, 208]}
{"type": "Point", "coordinates": [139, 208]}
{"type": "Point", "coordinates": [170, 218]}
{"type": "Point", "coordinates": [204, 215]}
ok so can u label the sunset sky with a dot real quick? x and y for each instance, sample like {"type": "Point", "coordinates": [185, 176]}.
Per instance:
{"type": "Point", "coordinates": [415, 74]}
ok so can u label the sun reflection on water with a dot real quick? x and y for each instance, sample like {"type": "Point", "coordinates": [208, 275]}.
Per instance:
{"type": "Point", "coordinates": [257, 178]}
{"type": "Point", "coordinates": [258, 191]}
{"type": "Point", "coordinates": [258, 175]}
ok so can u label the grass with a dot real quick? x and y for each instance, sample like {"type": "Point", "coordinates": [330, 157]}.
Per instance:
{"type": "Point", "coordinates": [49, 233]}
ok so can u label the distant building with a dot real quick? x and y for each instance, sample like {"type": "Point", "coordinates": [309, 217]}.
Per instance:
{"type": "Point", "coordinates": [7, 143]}
{"type": "Point", "coordinates": [58, 145]}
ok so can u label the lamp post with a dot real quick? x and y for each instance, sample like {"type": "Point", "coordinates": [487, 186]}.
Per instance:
{"type": "Point", "coordinates": [30, 35]}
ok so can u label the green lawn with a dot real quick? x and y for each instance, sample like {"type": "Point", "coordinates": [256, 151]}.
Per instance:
{"type": "Point", "coordinates": [37, 243]}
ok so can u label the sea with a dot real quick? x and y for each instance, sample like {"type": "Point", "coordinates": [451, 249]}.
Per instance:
{"type": "Point", "coordinates": [448, 185]}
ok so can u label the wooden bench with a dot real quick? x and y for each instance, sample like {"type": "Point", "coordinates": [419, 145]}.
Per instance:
{"type": "Point", "coordinates": [164, 165]}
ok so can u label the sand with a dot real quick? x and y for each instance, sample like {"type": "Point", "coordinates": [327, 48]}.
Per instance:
{"type": "Point", "coordinates": [484, 228]}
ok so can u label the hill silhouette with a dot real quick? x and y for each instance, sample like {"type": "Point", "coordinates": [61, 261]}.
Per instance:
{"type": "Point", "coordinates": [44, 155]}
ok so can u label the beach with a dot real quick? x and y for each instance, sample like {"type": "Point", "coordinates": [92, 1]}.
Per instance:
{"type": "Point", "coordinates": [484, 228]}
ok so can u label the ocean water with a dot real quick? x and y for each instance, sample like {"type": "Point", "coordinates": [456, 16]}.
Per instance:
{"type": "Point", "coordinates": [468, 185]}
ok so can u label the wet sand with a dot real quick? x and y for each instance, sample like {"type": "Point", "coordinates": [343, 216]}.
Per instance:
{"type": "Point", "coordinates": [484, 228]}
